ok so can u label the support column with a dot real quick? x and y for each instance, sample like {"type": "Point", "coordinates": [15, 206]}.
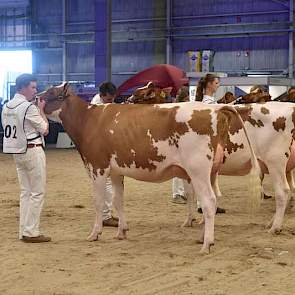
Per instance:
{"type": "Point", "coordinates": [64, 45]}
{"type": "Point", "coordinates": [103, 40]}
{"type": "Point", "coordinates": [168, 31]}
{"type": "Point", "coordinates": [291, 39]}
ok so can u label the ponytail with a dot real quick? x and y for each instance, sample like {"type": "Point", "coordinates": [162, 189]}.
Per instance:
{"type": "Point", "coordinates": [203, 84]}
{"type": "Point", "coordinates": [200, 89]}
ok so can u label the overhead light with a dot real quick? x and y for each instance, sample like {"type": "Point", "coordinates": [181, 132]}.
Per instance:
{"type": "Point", "coordinates": [257, 74]}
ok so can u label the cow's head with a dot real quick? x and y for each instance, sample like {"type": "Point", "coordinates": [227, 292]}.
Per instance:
{"type": "Point", "coordinates": [291, 95]}
{"type": "Point", "coordinates": [182, 94]}
{"type": "Point", "coordinates": [227, 98]}
{"type": "Point", "coordinates": [150, 94]}
{"type": "Point", "coordinates": [256, 97]}
{"type": "Point", "coordinates": [54, 98]}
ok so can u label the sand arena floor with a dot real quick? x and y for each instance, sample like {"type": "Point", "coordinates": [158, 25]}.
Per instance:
{"type": "Point", "coordinates": [159, 257]}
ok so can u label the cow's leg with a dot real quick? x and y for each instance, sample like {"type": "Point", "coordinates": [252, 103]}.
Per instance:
{"type": "Point", "coordinates": [290, 179]}
{"type": "Point", "coordinates": [99, 187]}
{"type": "Point", "coordinates": [207, 198]}
{"type": "Point", "coordinates": [208, 203]}
{"type": "Point", "coordinates": [215, 185]}
{"type": "Point", "coordinates": [282, 190]}
{"type": "Point", "coordinates": [189, 190]}
{"type": "Point", "coordinates": [263, 194]}
{"type": "Point", "coordinates": [118, 194]}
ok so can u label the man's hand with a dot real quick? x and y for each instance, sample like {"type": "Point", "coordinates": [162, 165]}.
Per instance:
{"type": "Point", "coordinates": [41, 104]}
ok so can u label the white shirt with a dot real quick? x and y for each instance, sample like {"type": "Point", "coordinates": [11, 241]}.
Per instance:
{"type": "Point", "coordinates": [27, 115]}
{"type": "Point", "coordinates": [96, 99]}
{"type": "Point", "coordinates": [209, 99]}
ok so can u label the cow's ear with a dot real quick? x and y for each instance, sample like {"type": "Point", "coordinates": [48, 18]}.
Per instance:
{"type": "Point", "coordinates": [66, 90]}
{"type": "Point", "coordinates": [150, 85]}
{"type": "Point", "coordinates": [66, 86]}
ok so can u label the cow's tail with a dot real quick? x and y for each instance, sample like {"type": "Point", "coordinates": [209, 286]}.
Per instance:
{"type": "Point", "coordinates": [255, 172]}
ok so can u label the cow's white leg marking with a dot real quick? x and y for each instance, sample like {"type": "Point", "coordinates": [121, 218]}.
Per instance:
{"type": "Point", "coordinates": [200, 180]}
{"type": "Point", "coordinates": [99, 187]}
{"type": "Point", "coordinates": [118, 194]}
{"type": "Point", "coordinates": [282, 190]}
{"type": "Point", "coordinates": [208, 204]}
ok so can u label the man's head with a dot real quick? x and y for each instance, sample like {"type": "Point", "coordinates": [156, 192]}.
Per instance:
{"type": "Point", "coordinates": [26, 84]}
{"type": "Point", "coordinates": [107, 92]}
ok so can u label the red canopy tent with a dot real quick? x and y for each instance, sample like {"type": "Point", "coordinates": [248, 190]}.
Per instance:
{"type": "Point", "coordinates": [162, 75]}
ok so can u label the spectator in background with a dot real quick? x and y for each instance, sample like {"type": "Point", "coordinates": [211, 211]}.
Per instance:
{"type": "Point", "coordinates": [107, 94]}
{"type": "Point", "coordinates": [206, 89]}
{"type": "Point", "coordinates": [178, 192]}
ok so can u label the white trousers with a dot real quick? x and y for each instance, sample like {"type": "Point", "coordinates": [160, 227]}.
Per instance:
{"type": "Point", "coordinates": [107, 208]}
{"type": "Point", "coordinates": [177, 187]}
{"type": "Point", "coordinates": [31, 172]}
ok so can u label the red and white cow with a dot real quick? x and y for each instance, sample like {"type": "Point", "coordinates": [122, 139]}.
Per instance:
{"type": "Point", "coordinates": [147, 142]}
{"type": "Point", "coordinates": [150, 94]}
{"type": "Point", "coordinates": [272, 131]}
{"type": "Point", "coordinates": [253, 97]}
{"type": "Point", "coordinates": [287, 96]}
{"type": "Point", "coordinates": [271, 128]}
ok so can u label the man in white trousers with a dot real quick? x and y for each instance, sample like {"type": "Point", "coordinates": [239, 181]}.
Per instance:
{"type": "Point", "coordinates": [24, 126]}
{"type": "Point", "coordinates": [178, 192]}
{"type": "Point", "coordinates": [107, 94]}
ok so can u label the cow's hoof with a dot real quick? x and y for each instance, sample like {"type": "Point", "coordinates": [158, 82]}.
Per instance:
{"type": "Point", "coordinates": [206, 249]}
{"type": "Point", "coordinates": [202, 220]}
{"type": "Point", "coordinates": [122, 235]}
{"type": "Point", "coordinates": [275, 231]}
{"type": "Point", "coordinates": [93, 237]}
{"type": "Point", "coordinates": [188, 222]}
{"type": "Point", "coordinates": [265, 197]}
